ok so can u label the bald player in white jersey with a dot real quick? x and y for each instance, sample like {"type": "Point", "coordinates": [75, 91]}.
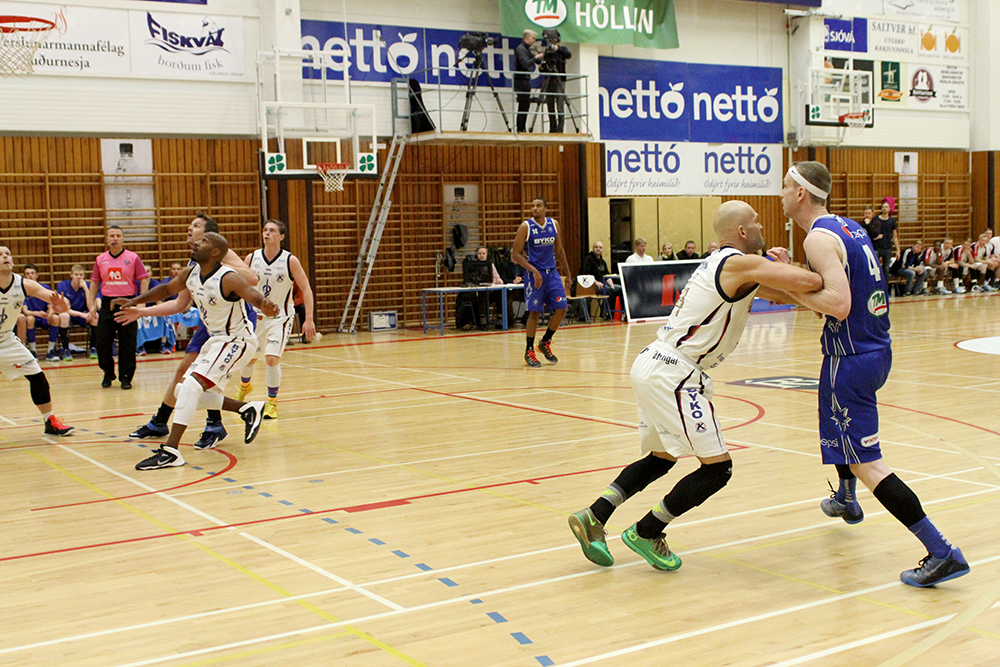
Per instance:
{"type": "Point", "coordinates": [218, 291]}
{"type": "Point", "coordinates": [277, 271]}
{"type": "Point", "coordinates": [15, 359]}
{"type": "Point", "coordinates": [674, 392]}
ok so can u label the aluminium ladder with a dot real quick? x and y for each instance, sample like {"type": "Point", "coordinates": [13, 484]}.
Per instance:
{"type": "Point", "coordinates": [373, 234]}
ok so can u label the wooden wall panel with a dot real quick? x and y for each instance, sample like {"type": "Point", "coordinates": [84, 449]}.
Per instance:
{"type": "Point", "coordinates": [52, 204]}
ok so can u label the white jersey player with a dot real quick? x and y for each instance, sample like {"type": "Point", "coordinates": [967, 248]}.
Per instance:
{"type": "Point", "coordinates": [278, 271]}
{"type": "Point", "coordinates": [15, 359]}
{"type": "Point", "coordinates": [674, 393]}
{"type": "Point", "coordinates": [218, 292]}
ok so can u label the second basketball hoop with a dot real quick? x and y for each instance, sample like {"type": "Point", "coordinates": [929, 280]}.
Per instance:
{"type": "Point", "coordinates": [333, 175]}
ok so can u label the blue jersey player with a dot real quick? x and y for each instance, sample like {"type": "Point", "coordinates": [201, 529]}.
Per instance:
{"type": "Point", "coordinates": [856, 361]}
{"type": "Point", "coordinates": [537, 247]}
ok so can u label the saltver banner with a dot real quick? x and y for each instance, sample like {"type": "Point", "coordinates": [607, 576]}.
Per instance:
{"type": "Point", "coordinates": [645, 23]}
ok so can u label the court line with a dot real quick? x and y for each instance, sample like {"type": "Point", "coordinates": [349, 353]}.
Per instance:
{"type": "Point", "coordinates": [222, 525]}
{"type": "Point", "coordinates": [632, 649]}
{"type": "Point", "coordinates": [151, 491]}
{"type": "Point", "coordinates": [464, 566]}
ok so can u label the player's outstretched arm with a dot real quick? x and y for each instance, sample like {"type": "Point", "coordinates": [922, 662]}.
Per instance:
{"type": "Point", "coordinates": [824, 253]}
{"type": "Point", "coordinates": [59, 304]}
{"type": "Point", "coordinates": [158, 293]}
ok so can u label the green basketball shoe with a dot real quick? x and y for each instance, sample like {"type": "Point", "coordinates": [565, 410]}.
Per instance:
{"type": "Point", "coordinates": [655, 551]}
{"type": "Point", "coordinates": [590, 534]}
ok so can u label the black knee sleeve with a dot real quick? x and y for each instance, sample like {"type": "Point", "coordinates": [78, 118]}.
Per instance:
{"type": "Point", "coordinates": [39, 389]}
{"type": "Point", "coordinates": [640, 474]}
{"type": "Point", "coordinates": [698, 487]}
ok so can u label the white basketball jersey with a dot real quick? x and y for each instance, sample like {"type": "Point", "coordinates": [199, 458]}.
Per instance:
{"type": "Point", "coordinates": [11, 300]}
{"type": "Point", "coordinates": [706, 325]}
{"type": "Point", "coordinates": [220, 316]}
{"type": "Point", "coordinates": [274, 279]}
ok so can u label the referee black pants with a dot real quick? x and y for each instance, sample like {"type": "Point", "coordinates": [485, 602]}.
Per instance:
{"type": "Point", "coordinates": [107, 331]}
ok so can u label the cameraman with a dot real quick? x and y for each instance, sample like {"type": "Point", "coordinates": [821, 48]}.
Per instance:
{"type": "Point", "coordinates": [524, 64]}
{"type": "Point", "coordinates": [554, 87]}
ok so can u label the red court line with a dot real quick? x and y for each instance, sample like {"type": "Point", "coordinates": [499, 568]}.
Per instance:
{"type": "Point", "coordinates": [351, 508]}
{"type": "Point", "coordinates": [232, 464]}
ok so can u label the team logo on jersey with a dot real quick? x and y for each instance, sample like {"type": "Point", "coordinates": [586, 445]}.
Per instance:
{"type": "Point", "coordinates": [877, 304]}
{"type": "Point", "coordinates": [699, 427]}
{"type": "Point", "coordinates": [281, 278]}
{"type": "Point", "coordinates": [211, 300]}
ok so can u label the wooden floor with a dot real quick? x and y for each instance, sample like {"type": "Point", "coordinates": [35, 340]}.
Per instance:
{"type": "Point", "coordinates": [409, 508]}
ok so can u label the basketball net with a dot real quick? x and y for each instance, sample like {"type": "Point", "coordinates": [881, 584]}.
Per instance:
{"type": "Point", "coordinates": [20, 37]}
{"type": "Point", "coordinates": [333, 175]}
{"type": "Point", "coordinates": [855, 123]}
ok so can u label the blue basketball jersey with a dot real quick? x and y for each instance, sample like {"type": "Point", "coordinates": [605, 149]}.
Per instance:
{"type": "Point", "coordinates": [541, 244]}
{"type": "Point", "coordinates": [866, 328]}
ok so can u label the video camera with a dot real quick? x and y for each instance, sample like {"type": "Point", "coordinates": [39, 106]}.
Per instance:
{"type": "Point", "coordinates": [552, 60]}
{"type": "Point", "coordinates": [475, 42]}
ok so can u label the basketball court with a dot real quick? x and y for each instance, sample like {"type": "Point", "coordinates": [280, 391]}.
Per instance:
{"type": "Point", "coordinates": [409, 507]}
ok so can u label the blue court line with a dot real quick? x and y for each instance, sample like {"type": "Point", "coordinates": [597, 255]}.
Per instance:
{"type": "Point", "coordinates": [544, 660]}
{"type": "Point", "coordinates": [401, 554]}
{"type": "Point", "coordinates": [424, 567]}
{"type": "Point", "coordinates": [266, 495]}
{"type": "Point", "coordinates": [476, 601]}
{"type": "Point", "coordinates": [197, 468]}
{"type": "Point", "coordinates": [285, 502]}
{"type": "Point", "coordinates": [248, 487]}
{"type": "Point", "coordinates": [497, 617]}
{"type": "Point", "coordinates": [331, 520]}
{"type": "Point", "coordinates": [447, 582]}
{"type": "Point", "coordinates": [521, 638]}
{"type": "Point", "coordinates": [229, 479]}
{"type": "Point", "coordinates": [305, 511]}
{"type": "Point", "coordinates": [376, 541]}
{"type": "Point", "coordinates": [353, 530]}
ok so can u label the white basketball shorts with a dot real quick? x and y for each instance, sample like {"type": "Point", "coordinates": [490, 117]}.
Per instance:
{"type": "Point", "coordinates": [222, 357]}
{"type": "Point", "coordinates": [273, 334]}
{"type": "Point", "coordinates": [15, 359]}
{"type": "Point", "coordinates": [674, 397]}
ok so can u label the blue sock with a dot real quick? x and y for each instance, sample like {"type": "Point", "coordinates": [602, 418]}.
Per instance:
{"type": "Point", "coordinates": [846, 491]}
{"type": "Point", "coordinates": [925, 531]}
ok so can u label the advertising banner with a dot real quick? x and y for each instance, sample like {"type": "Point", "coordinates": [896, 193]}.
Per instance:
{"type": "Point", "coordinates": [89, 41]}
{"type": "Point", "coordinates": [646, 23]}
{"type": "Point", "coordinates": [651, 290]}
{"type": "Point", "coordinates": [938, 10]}
{"type": "Point", "coordinates": [670, 101]}
{"type": "Point", "coordinates": [386, 52]}
{"type": "Point", "coordinates": [899, 40]}
{"type": "Point", "coordinates": [186, 45]}
{"type": "Point", "coordinates": [674, 168]}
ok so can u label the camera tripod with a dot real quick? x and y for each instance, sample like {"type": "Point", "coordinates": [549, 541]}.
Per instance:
{"type": "Point", "coordinates": [548, 88]}
{"type": "Point", "coordinates": [479, 67]}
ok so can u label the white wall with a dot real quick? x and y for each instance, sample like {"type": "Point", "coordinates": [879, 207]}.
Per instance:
{"type": "Point", "coordinates": [985, 20]}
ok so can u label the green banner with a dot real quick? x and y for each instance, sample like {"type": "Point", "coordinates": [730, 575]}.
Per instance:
{"type": "Point", "coordinates": [647, 23]}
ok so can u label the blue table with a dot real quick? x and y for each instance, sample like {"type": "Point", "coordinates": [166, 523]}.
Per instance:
{"type": "Point", "coordinates": [441, 291]}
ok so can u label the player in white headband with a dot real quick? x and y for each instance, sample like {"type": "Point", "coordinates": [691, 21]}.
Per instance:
{"type": "Point", "coordinates": [857, 356]}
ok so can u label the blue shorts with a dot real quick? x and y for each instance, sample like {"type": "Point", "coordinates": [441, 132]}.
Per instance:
{"type": "Point", "coordinates": [197, 340]}
{"type": "Point", "coordinates": [77, 321]}
{"type": "Point", "coordinates": [848, 410]}
{"type": "Point", "coordinates": [552, 293]}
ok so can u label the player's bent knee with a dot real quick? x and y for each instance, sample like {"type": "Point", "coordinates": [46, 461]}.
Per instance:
{"type": "Point", "coordinates": [39, 389]}
{"type": "Point", "coordinates": [719, 473]}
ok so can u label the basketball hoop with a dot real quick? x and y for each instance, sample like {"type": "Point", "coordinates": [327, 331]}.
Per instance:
{"type": "Point", "coordinates": [20, 37]}
{"type": "Point", "coordinates": [333, 175]}
{"type": "Point", "coordinates": [855, 122]}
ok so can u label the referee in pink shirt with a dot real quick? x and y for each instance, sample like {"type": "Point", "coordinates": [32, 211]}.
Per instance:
{"type": "Point", "coordinates": [115, 274]}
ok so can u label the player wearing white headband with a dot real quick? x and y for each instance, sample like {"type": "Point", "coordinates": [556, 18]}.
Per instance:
{"type": "Point", "coordinates": [857, 356]}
